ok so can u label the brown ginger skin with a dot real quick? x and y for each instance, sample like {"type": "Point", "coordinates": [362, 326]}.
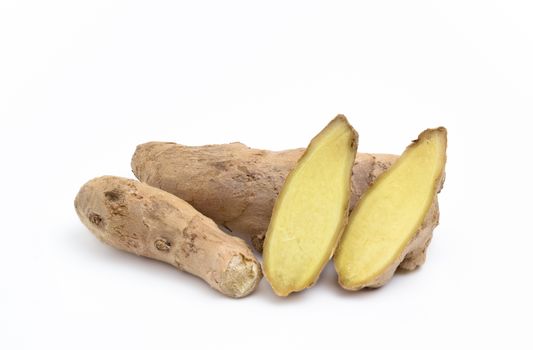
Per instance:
{"type": "Point", "coordinates": [237, 186]}
{"type": "Point", "coordinates": [234, 185]}
{"type": "Point", "coordinates": [147, 221]}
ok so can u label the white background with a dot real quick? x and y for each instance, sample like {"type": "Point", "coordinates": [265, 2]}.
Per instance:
{"type": "Point", "coordinates": [82, 83]}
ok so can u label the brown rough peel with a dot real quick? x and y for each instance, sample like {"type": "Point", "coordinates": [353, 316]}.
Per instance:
{"type": "Point", "coordinates": [147, 221]}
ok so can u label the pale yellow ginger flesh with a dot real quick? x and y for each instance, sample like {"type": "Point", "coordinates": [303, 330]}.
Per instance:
{"type": "Point", "coordinates": [391, 213]}
{"type": "Point", "coordinates": [310, 212]}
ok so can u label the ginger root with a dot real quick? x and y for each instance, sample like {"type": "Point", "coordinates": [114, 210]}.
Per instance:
{"type": "Point", "coordinates": [237, 186]}
{"type": "Point", "coordinates": [391, 219]}
{"type": "Point", "coordinates": [147, 221]}
{"type": "Point", "coordinates": [233, 184]}
{"type": "Point", "coordinates": [311, 210]}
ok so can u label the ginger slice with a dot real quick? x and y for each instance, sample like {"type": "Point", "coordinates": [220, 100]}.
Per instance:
{"type": "Point", "coordinates": [388, 220]}
{"type": "Point", "coordinates": [311, 211]}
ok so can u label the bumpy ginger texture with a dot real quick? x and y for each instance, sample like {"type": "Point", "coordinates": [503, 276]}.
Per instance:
{"type": "Point", "coordinates": [311, 210]}
{"type": "Point", "coordinates": [147, 221]}
{"type": "Point", "coordinates": [389, 218]}
{"type": "Point", "coordinates": [237, 186]}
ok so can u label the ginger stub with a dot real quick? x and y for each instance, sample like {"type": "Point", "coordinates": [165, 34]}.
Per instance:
{"type": "Point", "coordinates": [311, 210]}
{"type": "Point", "coordinates": [394, 215]}
{"type": "Point", "coordinates": [147, 221]}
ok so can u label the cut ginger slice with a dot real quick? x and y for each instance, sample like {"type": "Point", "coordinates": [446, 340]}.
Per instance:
{"type": "Point", "coordinates": [390, 214]}
{"type": "Point", "coordinates": [311, 211]}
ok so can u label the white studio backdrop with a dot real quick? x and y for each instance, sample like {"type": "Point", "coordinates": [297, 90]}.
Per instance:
{"type": "Point", "coordinates": [82, 83]}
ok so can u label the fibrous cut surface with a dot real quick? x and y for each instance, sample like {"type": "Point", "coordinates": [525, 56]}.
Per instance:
{"type": "Point", "coordinates": [391, 212]}
{"type": "Point", "coordinates": [310, 212]}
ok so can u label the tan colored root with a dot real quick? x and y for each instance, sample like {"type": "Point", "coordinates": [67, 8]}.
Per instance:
{"type": "Point", "coordinates": [237, 186]}
{"type": "Point", "coordinates": [147, 221]}
{"type": "Point", "coordinates": [234, 185]}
